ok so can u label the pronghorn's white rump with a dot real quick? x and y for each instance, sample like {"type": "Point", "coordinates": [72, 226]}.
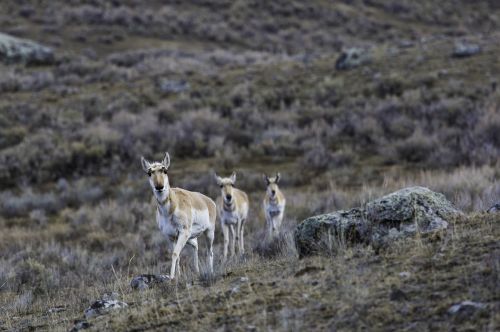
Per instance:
{"type": "Point", "coordinates": [182, 215]}
{"type": "Point", "coordinates": [233, 208]}
{"type": "Point", "coordinates": [274, 205]}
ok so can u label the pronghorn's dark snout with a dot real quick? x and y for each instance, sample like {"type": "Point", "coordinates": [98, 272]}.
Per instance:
{"type": "Point", "coordinates": [228, 197]}
{"type": "Point", "coordinates": [273, 192]}
{"type": "Point", "coordinates": [159, 187]}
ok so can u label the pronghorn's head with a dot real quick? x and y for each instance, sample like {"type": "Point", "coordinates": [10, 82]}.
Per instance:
{"type": "Point", "coordinates": [272, 184]}
{"type": "Point", "coordinates": [157, 173]}
{"type": "Point", "coordinates": [226, 185]}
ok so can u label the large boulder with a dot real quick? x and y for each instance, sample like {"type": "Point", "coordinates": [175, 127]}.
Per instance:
{"type": "Point", "coordinates": [14, 49]}
{"type": "Point", "coordinates": [401, 214]}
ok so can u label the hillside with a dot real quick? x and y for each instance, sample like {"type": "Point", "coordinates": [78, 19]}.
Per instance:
{"type": "Point", "coordinates": [251, 86]}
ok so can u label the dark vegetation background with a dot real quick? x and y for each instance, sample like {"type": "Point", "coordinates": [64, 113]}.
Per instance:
{"type": "Point", "coordinates": [249, 86]}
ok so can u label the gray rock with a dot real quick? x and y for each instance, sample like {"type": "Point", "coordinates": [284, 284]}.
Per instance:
{"type": "Point", "coordinates": [146, 281]}
{"type": "Point", "coordinates": [101, 307]}
{"type": "Point", "coordinates": [395, 216]}
{"type": "Point", "coordinates": [14, 49]}
{"type": "Point", "coordinates": [408, 211]}
{"type": "Point", "coordinates": [494, 208]}
{"type": "Point", "coordinates": [352, 58]}
{"type": "Point", "coordinates": [173, 87]}
{"type": "Point", "coordinates": [463, 50]}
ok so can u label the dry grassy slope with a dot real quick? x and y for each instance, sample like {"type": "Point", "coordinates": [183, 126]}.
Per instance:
{"type": "Point", "coordinates": [356, 289]}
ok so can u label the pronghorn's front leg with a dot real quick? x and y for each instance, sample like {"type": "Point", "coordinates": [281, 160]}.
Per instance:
{"type": "Point", "coordinates": [233, 238]}
{"type": "Point", "coordinates": [238, 236]}
{"type": "Point", "coordinates": [194, 244]}
{"type": "Point", "coordinates": [225, 233]}
{"type": "Point", "coordinates": [179, 244]}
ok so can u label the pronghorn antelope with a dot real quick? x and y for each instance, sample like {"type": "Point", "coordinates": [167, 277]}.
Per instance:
{"type": "Point", "coordinates": [182, 215]}
{"type": "Point", "coordinates": [274, 205]}
{"type": "Point", "coordinates": [233, 211]}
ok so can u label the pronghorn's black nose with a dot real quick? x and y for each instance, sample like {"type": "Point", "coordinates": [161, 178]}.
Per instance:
{"type": "Point", "coordinates": [273, 192]}
{"type": "Point", "coordinates": [159, 188]}
{"type": "Point", "coordinates": [228, 197]}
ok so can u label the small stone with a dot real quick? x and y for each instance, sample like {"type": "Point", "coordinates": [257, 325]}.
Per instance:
{"type": "Point", "coordinates": [352, 58]}
{"type": "Point", "coordinates": [146, 281]}
{"type": "Point", "coordinates": [397, 295]}
{"type": "Point", "coordinates": [173, 87]}
{"type": "Point", "coordinates": [465, 310]}
{"type": "Point", "coordinates": [463, 50]}
{"type": "Point", "coordinates": [80, 324]}
{"type": "Point", "coordinates": [101, 307]}
{"type": "Point", "coordinates": [404, 274]}
{"type": "Point", "coordinates": [494, 208]}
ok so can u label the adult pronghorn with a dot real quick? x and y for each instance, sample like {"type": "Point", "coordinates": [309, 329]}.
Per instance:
{"type": "Point", "coordinates": [182, 215]}
{"type": "Point", "coordinates": [233, 211]}
{"type": "Point", "coordinates": [274, 205]}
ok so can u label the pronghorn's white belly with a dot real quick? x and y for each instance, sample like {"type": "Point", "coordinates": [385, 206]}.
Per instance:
{"type": "Point", "coordinates": [170, 227]}
{"type": "Point", "coordinates": [201, 222]}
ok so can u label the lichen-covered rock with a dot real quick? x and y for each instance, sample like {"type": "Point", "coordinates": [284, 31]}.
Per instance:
{"type": "Point", "coordinates": [322, 233]}
{"type": "Point", "coordinates": [398, 215]}
{"type": "Point", "coordinates": [14, 49]}
{"type": "Point", "coordinates": [410, 210]}
{"type": "Point", "coordinates": [146, 281]}
{"type": "Point", "coordinates": [351, 58]}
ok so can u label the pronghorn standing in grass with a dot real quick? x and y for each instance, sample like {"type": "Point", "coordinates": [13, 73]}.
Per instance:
{"type": "Point", "coordinates": [182, 215]}
{"type": "Point", "coordinates": [274, 205]}
{"type": "Point", "coordinates": [233, 211]}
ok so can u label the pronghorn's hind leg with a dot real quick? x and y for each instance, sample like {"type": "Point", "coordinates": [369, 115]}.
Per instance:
{"type": "Point", "coordinates": [238, 236]}
{"type": "Point", "coordinates": [225, 233]}
{"type": "Point", "coordinates": [241, 235]}
{"type": "Point", "coordinates": [194, 244]}
{"type": "Point", "coordinates": [209, 233]}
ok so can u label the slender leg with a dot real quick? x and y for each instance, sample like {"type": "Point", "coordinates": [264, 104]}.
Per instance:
{"type": "Point", "coordinates": [179, 244]}
{"type": "Point", "coordinates": [238, 234]}
{"type": "Point", "coordinates": [242, 242]}
{"type": "Point", "coordinates": [233, 238]}
{"type": "Point", "coordinates": [225, 232]}
{"type": "Point", "coordinates": [210, 242]}
{"type": "Point", "coordinates": [194, 244]}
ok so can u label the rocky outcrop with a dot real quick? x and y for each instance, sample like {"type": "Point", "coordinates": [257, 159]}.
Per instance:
{"type": "Point", "coordinates": [146, 281]}
{"type": "Point", "coordinates": [352, 58]}
{"type": "Point", "coordinates": [398, 215]}
{"type": "Point", "coordinates": [14, 49]}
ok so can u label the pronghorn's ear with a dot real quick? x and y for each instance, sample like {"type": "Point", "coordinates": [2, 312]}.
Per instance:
{"type": "Point", "coordinates": [218, 179]}
{"type": "Point", "coordinates": [277, 178]}
{"type": "Point", "coordinates": [233, 178]}
{"type": "Point", "coordinates": [166, 160]}
{"type": "Point", "coordinates": [146, 165]}
{"type": "Point", "coordinates": [266, 178]}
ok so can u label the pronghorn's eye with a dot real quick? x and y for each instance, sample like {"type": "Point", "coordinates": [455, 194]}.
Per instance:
{"type": "Point", "coordinates": [164, 170]}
